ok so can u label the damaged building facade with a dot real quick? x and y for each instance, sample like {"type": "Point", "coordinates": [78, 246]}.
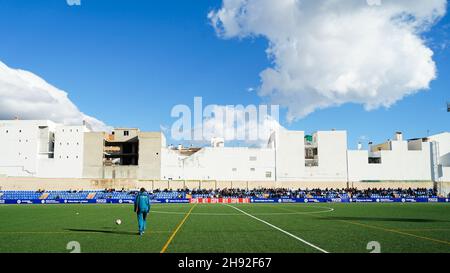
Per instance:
{"type": "Point", "coordinates": [44, 149]}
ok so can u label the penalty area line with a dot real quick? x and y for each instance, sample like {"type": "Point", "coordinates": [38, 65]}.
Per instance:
{"type": "Point", "coordinates": [279, 229]}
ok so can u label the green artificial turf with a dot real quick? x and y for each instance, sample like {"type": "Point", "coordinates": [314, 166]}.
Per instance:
{"type": "Point", "coordinates": [210, 228]}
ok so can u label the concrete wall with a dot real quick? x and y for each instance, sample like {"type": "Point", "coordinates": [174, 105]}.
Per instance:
{"type": "Point", "coordinates": [443, 156]}
{"type": "Point", "coordinates": [19, 146]}
{"type": "Point", "coordinates": [444, 188]}
{"type": "Point", "coordinates": [120, 172]}
{"type": "Point", "coordinates": [290, 155]}
{"type": "Point", "coordinates": [26, 149]}
{"type": "Point", "coordinates": [398, 164]}
{"type": "Point", "coordinates": [93, 155]}
{"type": "Point", "coordinates": [120, 135]}
{"type": "Point", "coordinates": [445, 174]}
{"type": "Point", "coordinates": [332, 155]}
{"type": "Point", "coordinates": [68, 154]}
{"type": "Point", "coordinates": [219, 163]}
{"type": "Point", "coordinates": [27, 183]}
{"type": "Point", "coordinates": [444, 147]}
{"type": "Point", "coordinates": [149, 163]}
{"type": "Point", "coordinates": [150, 145]}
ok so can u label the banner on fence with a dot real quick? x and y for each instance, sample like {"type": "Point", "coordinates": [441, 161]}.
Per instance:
{"type": "Point", "coordinates": [227, 200]}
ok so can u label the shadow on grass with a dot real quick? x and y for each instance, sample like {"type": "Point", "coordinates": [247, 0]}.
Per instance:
{"type": "Point", "coordinates": [102, 231]}
{"type": "Point", "coordinates": [383, 219]}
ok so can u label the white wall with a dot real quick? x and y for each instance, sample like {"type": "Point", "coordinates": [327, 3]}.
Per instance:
{"type": "Point", "coordinates": [398, 164]}
{"type": "Point", "coordinates": [332, 149]}
{"type": "Point", "coordinates": [68, 154]}
{"type": "Point", "coordinates": [171, 164]}
{"type": "Point", "coordinates": [20, 146]}
{"type": "Point", "coordinates": [234, 164]}
{"type": "Point", "coordinates": [444, 147]}
{"type": "Point", "coordinates": [219, 163]}
{"type": "Point", "coordinates": [443, 141]}
{"type": "Point", "coordinates": [25, 146]}
{"type": "Point", "coordinates": [445, 174]}
{"type": "Point", "coordinates": [290, 156]}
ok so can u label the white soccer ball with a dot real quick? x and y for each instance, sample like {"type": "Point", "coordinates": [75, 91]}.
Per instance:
{"type": "Point", "coordinates": [118, 222]}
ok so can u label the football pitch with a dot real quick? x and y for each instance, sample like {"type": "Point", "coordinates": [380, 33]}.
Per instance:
{"type": "Point", "coordinates": [233, 228]}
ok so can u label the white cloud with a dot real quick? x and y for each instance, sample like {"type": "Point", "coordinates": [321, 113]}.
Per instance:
{"type": "Point", "coordinates": [327, 52]}
{"type": "Point", "coordinates": [249, 125]}
{"type": "Point", "coordinates": [73, 2]}
{"type": "Point", "coordinates": [27, 96]}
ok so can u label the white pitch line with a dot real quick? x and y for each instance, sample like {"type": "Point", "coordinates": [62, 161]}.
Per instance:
{"type": "Point", "coordinates": [261, 214]}
{"type": "Point", "coordinates": [282, 230]}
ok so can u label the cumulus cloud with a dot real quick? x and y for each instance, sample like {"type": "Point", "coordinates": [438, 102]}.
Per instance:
{"type": "Point", "coordinates": [250, 125]}
{"type": "Point", "coordinates": [327, 53]}
{"type": "Point", "coordinates": [27, 96]}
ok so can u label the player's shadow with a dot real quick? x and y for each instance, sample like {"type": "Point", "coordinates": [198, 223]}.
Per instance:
{"type": "Point", "coordinates": [102, 231]}
{"type": "Point", "coordinates": [383, 219]}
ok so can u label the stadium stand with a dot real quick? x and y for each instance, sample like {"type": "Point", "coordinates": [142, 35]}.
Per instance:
{"type": "Point", "coordinates": [222, 193]}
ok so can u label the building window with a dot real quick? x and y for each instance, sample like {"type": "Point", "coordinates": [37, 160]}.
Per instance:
{"type": "Point", "coordinates": [252, 158]}
{"type": "Point", "coordinates": [311, 156]}
{"type": "Point", "coordinates": [234, 169]}
{"type": "Point", "coordinates": [268, 174]}
{"type": "Point", "coordinates": [252, 169]}
{"type": "Point", "coordinates": [126, 133]}
{"type": "Point", "coordinates": [374, 160]}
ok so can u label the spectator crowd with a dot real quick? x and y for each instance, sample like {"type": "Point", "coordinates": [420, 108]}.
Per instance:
{"type": "Point", "coordinates": [307, 193]}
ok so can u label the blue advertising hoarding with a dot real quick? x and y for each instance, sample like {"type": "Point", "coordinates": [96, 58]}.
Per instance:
{"type": "Point", "coordinates": [252, 200]}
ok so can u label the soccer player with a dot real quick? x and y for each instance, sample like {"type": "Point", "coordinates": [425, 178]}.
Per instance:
{"type": "Point", "coordinates": [142, 208]}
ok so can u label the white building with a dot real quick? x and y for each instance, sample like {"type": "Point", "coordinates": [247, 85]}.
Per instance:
{"type": "Point", "coordinates": [441, 150]}
{"type": "Point", "coordinates": [41, 148]}
{"type": "Point", "coordinates": [395, 160]}
{"type": "Point", "coordinates": [219, 163]}
{"type": "Point", "coordinates": [44, 149]}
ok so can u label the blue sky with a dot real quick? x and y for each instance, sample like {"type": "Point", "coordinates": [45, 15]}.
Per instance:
{"type": "Point", "coordinates": [129, 62]}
